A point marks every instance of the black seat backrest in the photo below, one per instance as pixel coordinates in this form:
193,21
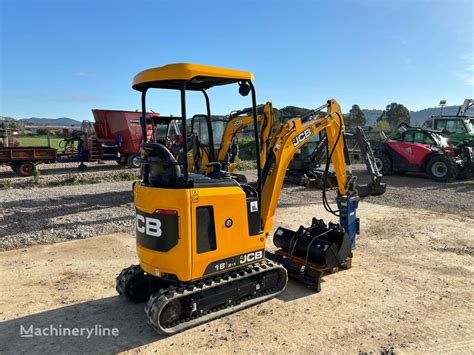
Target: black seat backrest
162,168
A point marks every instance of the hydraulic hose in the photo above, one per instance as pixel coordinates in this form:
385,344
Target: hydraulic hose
326,205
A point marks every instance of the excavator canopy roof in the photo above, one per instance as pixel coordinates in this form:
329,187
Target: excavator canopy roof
197,76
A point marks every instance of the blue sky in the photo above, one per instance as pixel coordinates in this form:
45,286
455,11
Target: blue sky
63,58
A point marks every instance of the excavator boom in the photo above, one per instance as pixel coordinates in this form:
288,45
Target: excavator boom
311,252
467,104
238,120
286,142
375,187
241,119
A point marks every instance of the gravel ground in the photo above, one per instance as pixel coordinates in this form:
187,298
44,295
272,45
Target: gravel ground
406,191
49,215
63,168
55,174
52,214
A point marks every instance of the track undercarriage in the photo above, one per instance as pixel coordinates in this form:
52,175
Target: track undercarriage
305,255
173,307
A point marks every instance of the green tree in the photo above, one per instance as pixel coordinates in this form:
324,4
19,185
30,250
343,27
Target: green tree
396,114
381,125
277,115
356,117
42,132
289,112
293,111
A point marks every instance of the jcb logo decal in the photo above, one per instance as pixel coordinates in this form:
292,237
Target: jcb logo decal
247,258
149,226
302,137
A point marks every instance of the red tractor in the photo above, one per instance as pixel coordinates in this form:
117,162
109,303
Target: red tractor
422,151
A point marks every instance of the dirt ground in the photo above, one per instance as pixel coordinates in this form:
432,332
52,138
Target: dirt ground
410,290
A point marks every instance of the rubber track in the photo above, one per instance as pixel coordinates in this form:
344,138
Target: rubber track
125,276
160,299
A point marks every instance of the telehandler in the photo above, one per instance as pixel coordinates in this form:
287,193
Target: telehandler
201,239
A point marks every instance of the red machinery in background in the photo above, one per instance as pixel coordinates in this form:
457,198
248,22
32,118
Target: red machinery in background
119,133
117,136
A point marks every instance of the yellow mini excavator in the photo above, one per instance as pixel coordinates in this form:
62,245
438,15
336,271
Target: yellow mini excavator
228,127
201,239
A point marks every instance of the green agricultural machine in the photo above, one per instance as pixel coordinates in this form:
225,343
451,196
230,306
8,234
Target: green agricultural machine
459,129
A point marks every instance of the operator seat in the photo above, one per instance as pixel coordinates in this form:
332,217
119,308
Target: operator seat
163,170
161,167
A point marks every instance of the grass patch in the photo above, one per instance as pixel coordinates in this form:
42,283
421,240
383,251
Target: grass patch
80,180
247,148
36,177
38,141
70,180
85,180
245,164
5,184
124,176
246,160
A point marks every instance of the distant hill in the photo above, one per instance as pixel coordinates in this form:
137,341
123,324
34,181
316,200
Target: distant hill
416,117
422,115
62,121
372,115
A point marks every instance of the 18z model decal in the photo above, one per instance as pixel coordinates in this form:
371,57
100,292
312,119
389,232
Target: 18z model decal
234,261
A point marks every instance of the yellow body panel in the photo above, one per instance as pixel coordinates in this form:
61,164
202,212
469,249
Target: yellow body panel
183,260
228,202
149,199
188,71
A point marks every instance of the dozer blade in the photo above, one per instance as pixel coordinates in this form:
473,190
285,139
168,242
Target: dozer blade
371,189
174,309
310,253
296,177
316,180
